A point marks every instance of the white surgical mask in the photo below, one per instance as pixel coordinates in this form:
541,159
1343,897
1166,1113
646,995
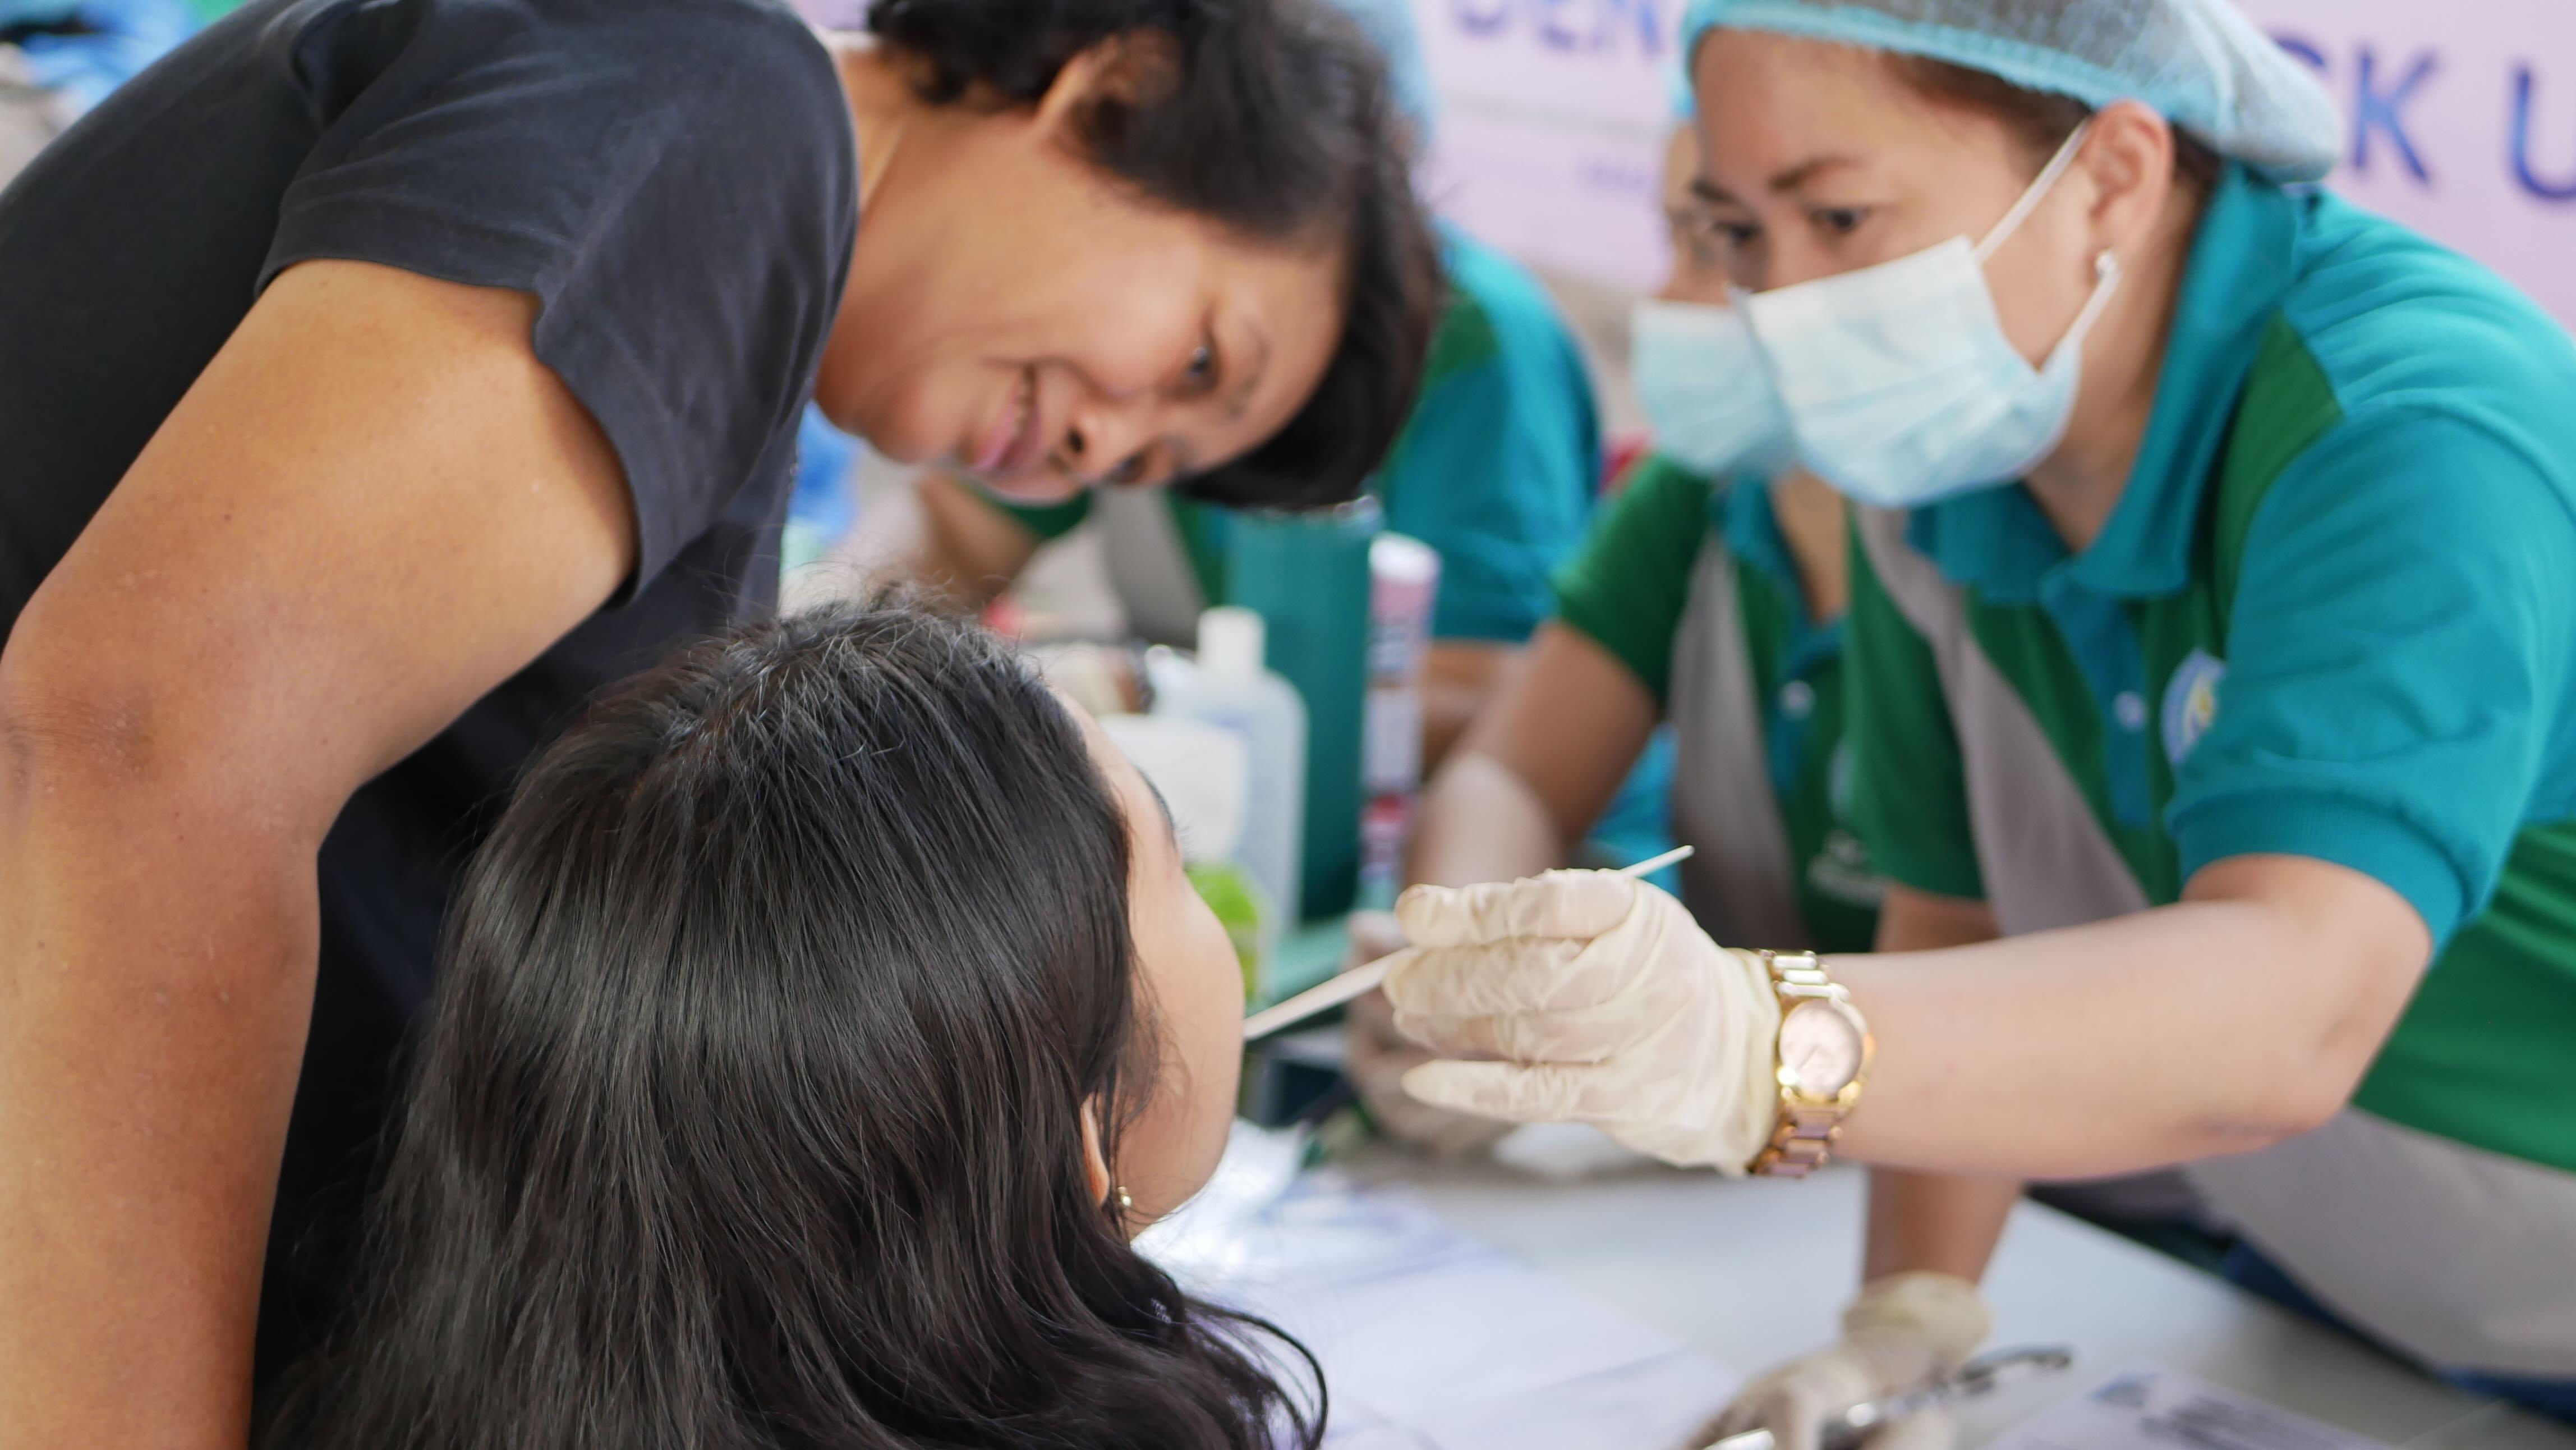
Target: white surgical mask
1898,383
1705,388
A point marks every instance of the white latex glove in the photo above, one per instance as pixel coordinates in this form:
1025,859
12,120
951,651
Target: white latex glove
1903,1331
1602,1002
1379,1056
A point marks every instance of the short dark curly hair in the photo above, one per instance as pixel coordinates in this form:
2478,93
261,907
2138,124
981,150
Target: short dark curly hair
1273,117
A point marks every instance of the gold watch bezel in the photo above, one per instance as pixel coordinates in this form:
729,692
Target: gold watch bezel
1791,1088
1810,1123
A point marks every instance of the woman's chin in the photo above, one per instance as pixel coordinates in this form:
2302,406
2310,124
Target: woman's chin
1035,489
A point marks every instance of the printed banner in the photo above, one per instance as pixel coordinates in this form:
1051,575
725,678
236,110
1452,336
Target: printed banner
1553,115
2461,121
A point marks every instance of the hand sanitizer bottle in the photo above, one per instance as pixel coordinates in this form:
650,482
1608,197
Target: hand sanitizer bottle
1230,687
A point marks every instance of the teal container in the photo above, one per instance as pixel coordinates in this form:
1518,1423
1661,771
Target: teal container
1307,576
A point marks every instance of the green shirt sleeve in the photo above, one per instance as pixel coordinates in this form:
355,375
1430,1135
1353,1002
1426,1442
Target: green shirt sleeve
1049,521
1909,786
2401,656
1626,590
1500,463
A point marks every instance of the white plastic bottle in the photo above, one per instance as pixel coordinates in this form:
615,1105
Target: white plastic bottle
1230,687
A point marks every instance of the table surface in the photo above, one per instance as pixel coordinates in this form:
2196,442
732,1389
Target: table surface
1750,1272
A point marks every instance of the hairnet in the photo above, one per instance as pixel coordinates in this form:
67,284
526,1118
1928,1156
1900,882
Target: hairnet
1390,23
2199,63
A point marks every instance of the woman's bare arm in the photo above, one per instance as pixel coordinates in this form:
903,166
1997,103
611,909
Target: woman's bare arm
374,506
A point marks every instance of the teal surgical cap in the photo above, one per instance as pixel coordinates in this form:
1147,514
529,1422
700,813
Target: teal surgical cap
2198,62
1677,89
1390,23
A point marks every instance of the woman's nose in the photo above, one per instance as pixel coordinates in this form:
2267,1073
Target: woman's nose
1102,439
1784,263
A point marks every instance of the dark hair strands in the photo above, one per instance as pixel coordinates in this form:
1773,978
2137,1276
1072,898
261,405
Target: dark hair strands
1273,117
748,1113
2041,122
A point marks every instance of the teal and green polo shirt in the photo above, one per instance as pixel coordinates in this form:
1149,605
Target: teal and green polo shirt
2333,615
1628,591
1496,469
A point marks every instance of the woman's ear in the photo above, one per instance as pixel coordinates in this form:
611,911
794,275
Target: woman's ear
2129,157
1129,69
1095,1162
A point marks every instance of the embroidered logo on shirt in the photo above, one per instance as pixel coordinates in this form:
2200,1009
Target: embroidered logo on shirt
2191,702
1841,871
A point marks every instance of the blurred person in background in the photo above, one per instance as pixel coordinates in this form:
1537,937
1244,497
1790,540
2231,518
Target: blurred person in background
58,58
1710,597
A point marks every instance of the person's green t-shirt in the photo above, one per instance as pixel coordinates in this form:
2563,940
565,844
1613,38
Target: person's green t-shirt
2330,617
1628,592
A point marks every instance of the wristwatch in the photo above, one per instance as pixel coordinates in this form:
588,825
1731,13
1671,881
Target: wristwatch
1822,1060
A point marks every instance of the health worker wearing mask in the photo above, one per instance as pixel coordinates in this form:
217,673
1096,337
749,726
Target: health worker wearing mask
2212,673
382,378
1496,469
1709,596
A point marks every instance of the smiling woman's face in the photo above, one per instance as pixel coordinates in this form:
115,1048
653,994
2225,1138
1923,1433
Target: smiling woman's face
1016,313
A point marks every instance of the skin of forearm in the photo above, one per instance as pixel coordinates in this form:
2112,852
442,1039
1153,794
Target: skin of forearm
156,974
2214,1026
969,553
1458,677
1939,1222
1562,727
931,567
1936,1222
1482,822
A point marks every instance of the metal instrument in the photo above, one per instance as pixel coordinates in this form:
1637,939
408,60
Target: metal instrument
1977,1378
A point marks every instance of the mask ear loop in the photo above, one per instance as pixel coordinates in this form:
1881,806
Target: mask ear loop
2036,192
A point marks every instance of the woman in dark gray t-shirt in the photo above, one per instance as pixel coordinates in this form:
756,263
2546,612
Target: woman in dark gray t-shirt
379,378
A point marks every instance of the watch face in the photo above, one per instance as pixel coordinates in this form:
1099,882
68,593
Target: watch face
1820,1047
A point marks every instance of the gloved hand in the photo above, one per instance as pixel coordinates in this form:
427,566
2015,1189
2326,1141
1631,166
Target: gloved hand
1903,1331
1379,1056
1604,1003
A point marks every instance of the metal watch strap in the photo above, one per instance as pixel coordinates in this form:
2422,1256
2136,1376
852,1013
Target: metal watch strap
1799,974
1801,1144
1803,1140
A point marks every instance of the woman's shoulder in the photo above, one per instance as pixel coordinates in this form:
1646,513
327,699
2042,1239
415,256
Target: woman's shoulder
1498,310
1675,493
724,64
2390,318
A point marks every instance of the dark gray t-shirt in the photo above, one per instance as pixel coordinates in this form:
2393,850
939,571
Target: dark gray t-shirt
675,180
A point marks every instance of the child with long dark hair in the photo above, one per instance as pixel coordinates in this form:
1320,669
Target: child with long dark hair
815,1028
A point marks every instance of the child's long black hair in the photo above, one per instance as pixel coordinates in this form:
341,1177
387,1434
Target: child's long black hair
748,1114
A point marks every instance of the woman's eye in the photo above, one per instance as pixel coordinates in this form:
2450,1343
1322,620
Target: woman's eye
1841,221
1704,248
1201,372
1128,473
1728,236
1709,231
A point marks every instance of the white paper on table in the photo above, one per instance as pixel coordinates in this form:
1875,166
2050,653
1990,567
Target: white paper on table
1429,1339
1656,1405
2162,1409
